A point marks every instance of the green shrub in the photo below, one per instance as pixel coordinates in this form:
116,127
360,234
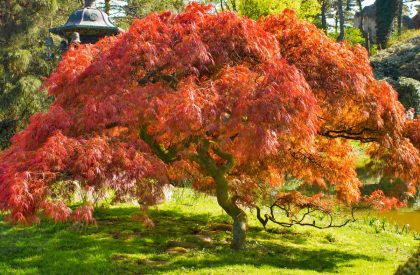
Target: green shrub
352,36
411,267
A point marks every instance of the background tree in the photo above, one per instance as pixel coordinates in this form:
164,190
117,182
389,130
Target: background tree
23,61
234,105
364,33
307,9
124,12
325,6
107,6
386,10
341,19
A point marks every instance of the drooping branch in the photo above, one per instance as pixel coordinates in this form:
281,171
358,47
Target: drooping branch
300,221
360,135
166,155
262,221
304,156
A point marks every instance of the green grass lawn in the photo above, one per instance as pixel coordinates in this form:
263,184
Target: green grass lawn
190,237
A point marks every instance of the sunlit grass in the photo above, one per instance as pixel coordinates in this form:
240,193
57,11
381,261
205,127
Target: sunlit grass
406,34
189,237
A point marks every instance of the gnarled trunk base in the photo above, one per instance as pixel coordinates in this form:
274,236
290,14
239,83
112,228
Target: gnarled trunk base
239,231
228,203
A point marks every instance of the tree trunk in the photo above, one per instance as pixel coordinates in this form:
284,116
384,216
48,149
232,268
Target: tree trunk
336,22
364,34
206,161
386,10
341,17
233,3
229,205
324,16
239,231
107,6
400,14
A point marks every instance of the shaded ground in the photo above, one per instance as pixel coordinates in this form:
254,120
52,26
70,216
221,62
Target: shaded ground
191,237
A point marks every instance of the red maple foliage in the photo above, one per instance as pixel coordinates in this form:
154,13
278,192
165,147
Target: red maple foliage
217,98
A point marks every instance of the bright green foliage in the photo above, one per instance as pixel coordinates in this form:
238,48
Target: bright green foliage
256,8
307,9
24,28
140,8
352,36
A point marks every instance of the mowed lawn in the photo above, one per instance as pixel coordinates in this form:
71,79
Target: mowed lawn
191,237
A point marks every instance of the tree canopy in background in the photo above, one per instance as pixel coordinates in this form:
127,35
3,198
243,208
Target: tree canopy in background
386,11
254,9
23,61
235,105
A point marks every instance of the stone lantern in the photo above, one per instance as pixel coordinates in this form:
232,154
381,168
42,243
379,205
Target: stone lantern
85,25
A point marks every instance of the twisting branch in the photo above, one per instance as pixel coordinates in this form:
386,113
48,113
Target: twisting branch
166,155
309,209
351,134
156,76
303,156
262,221
226,156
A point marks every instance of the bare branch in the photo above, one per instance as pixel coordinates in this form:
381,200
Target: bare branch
299,221
349,133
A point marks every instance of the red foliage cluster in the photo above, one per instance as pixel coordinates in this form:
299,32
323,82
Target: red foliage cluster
412,132
277,96
380,202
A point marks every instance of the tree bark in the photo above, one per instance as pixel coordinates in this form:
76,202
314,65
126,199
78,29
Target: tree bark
324,16
233,3
364,34
336,22
341,17
218,173
386,10
107,6
400,14
229,205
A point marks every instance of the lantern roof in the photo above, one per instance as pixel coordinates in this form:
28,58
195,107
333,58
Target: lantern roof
87,21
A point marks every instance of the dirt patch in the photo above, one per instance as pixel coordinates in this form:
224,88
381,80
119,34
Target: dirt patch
118,257
203,238
182,244
177,250
221,227
150,262
125,235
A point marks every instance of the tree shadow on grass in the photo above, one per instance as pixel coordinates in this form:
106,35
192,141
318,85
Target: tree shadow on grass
120,245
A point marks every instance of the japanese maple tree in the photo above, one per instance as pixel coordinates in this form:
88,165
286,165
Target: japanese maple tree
227,102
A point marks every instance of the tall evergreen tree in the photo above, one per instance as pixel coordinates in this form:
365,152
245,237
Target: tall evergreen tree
140,8
23,29
341,18
386,10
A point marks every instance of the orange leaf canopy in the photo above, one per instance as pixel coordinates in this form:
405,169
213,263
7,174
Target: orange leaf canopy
276,96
